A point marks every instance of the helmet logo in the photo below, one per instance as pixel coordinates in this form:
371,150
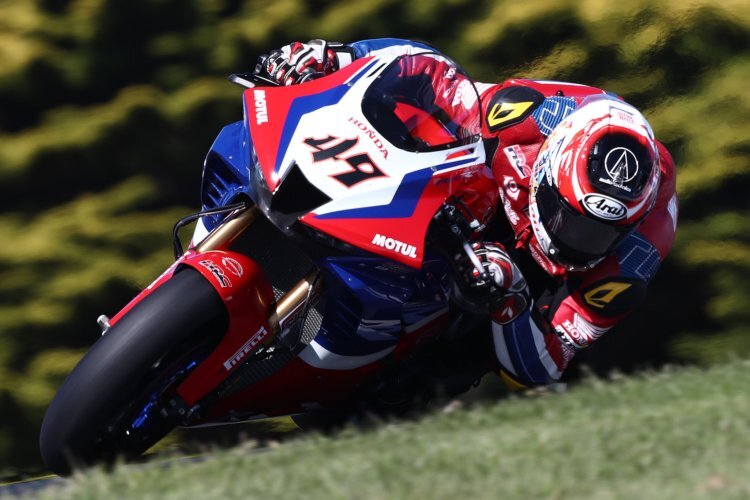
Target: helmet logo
621,166
604,207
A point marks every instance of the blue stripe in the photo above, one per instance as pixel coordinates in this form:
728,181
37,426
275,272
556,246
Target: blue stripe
405,200
366,47
520,342
309,103
353,79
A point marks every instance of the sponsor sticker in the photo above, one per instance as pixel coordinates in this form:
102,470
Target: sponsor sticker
624,116
621,166
218,273
362,167
510,186
518,160
573,335
510,213
602,295
513,304
261,108
604,207
248,346
232,266
367,131
395,245
511,105
580,332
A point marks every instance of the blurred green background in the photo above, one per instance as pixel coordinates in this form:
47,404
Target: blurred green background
107,108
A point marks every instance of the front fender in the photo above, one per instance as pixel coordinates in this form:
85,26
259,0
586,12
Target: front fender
248,297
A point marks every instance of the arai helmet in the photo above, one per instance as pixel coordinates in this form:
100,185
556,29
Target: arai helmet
596,177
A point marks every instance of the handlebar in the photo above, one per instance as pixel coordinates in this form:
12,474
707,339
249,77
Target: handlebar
459,228
251,80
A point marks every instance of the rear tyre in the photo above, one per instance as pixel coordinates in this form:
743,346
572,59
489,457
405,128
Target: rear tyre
90,418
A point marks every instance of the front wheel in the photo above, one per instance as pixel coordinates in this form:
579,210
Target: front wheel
108,405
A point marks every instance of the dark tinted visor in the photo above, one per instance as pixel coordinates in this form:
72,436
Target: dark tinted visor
578,239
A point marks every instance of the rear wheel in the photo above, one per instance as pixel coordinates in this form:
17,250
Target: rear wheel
109,405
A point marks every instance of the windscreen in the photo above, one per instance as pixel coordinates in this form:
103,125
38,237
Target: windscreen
424,102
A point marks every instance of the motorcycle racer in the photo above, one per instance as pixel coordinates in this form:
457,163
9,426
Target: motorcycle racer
589,199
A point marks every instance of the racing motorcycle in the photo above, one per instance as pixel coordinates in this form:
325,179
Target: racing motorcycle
322,266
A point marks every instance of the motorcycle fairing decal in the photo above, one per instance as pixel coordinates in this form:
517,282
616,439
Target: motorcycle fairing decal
217,272
386,214
362,312
362,166
300,385
248,302
246,348
299,107
390,230
370,305
327,356
319,357
379,282
404,201
286,106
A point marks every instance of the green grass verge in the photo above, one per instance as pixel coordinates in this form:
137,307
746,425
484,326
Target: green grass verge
681,433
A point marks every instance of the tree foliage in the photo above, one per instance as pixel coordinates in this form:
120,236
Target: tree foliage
107,108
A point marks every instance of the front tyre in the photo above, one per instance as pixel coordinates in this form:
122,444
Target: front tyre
90,418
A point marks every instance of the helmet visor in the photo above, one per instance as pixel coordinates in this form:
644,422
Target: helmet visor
577,239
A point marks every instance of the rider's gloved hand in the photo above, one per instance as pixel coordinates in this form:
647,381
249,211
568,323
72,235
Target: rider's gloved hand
506,292
297,62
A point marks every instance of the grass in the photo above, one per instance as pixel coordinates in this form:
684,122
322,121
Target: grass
680,433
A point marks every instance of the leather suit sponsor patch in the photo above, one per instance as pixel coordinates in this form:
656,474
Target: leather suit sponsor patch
614,296
511,105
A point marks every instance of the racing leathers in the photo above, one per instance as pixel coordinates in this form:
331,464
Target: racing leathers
568,308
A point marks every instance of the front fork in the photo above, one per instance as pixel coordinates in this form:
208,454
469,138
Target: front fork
306,291
255,318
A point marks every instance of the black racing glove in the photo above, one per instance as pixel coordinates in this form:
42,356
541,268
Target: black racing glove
502,289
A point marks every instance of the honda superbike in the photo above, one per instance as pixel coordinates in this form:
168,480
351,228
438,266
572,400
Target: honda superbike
321,270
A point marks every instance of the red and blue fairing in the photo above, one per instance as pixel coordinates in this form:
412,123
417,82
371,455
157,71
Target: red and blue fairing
364,157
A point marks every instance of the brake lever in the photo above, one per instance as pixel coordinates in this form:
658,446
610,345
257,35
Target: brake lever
483,273
455,229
